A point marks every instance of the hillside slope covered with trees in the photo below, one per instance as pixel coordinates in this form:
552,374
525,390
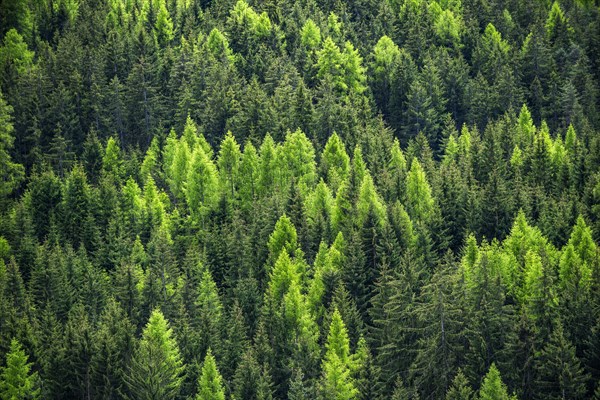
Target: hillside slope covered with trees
372,199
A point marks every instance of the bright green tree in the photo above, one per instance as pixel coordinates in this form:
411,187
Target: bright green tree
419,200
112,164
386,57
310,34
163,27
229,164
202,183
210,386
336,381
335,162
182,165
17,381
12,173
369,202
156,370
284,237
15,59
298,157
492,387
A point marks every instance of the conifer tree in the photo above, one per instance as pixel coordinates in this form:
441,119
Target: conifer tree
76,205
156,369
492,387
78,341
420,203
17,381
112,349
336,380
460,389
335,162
229,164
13,172
284,237
560,375
209,315
201,185
210,386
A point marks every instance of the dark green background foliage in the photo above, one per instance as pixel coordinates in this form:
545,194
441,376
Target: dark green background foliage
372,199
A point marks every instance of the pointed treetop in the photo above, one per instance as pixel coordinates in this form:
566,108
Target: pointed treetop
573,273
310,35
420,202
570,139
210,385
397,158
370,202
283,275
16,379
582,241
460,389
284,237
492,387
337,338
385,55
218,45
335,162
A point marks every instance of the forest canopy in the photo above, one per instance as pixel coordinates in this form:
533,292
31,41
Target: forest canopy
371,199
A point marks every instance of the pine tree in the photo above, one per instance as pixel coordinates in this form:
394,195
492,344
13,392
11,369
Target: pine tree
460,389
78,342
492,387
335,163
336,381
251,381
210,386
161,276
15,305
298,387
441,326
163,26
560,375
17,381
201,185
209,315
112,163
76,205
229,164
365,372
284,237
112,349
420,202
298,154
13,172
386,55
156,369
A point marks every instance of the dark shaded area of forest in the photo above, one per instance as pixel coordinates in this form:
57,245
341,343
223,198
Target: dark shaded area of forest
373,199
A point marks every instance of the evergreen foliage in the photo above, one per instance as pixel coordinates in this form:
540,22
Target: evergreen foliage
383,199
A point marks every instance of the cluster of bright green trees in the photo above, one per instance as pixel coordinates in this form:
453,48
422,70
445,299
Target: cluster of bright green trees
262,273
299,200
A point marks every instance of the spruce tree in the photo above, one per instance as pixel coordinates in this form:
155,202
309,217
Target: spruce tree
156,369
336,380
17,380
559,371
210,386
492,387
